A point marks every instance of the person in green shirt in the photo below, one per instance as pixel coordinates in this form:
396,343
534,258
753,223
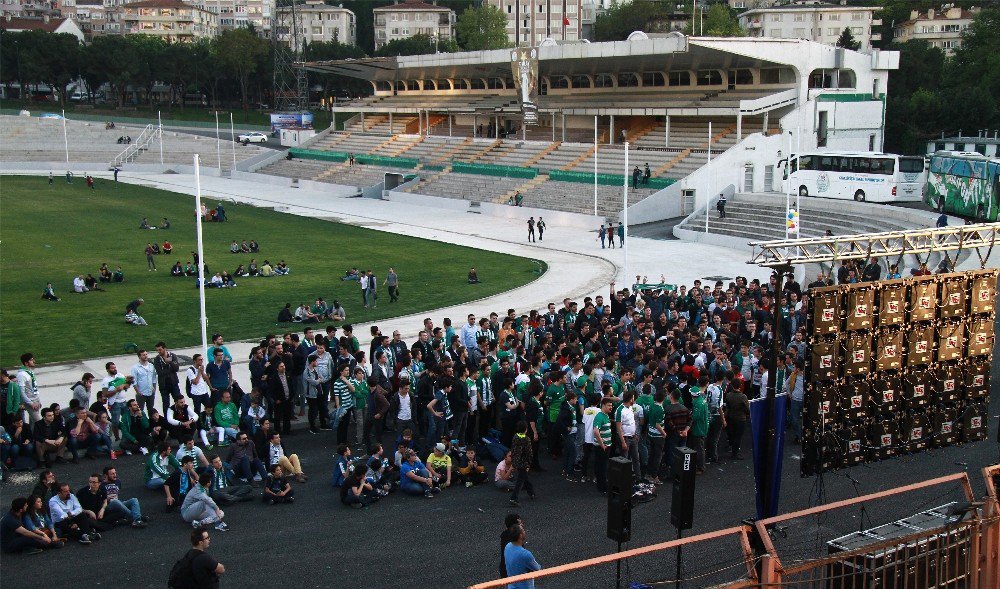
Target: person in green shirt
699,423
657,437
361,393
555,393
343,396
602,444
227,416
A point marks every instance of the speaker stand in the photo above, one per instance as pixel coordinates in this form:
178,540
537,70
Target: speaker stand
677,578
618,569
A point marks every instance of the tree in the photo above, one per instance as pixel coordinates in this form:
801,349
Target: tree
238,52
482,28
720,21
622,19
416,45
847,40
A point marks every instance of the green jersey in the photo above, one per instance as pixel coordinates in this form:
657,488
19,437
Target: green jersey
603,425
554,396
645,401
360,393
654,416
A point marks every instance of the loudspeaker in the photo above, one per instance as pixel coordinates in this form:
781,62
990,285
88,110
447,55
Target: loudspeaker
682,499
620,499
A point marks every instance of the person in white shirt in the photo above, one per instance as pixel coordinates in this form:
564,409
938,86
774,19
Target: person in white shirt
70,518
589,413
196,377
144,375
624,418
116,389
189,449
25,378
79,285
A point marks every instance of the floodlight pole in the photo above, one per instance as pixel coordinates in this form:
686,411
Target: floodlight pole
625,212
65,137
218,146
232,133
159,126
595,165
203,320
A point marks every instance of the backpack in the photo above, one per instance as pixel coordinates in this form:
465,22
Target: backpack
182,573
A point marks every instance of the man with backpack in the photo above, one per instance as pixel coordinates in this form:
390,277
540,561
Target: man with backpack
197,569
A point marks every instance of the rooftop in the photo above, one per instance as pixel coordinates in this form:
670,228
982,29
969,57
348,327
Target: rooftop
412,5
49,25
163,4
811,6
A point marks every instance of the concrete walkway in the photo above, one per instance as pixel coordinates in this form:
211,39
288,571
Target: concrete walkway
577,266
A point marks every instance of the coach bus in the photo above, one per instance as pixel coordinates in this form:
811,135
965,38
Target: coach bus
964,184
863,176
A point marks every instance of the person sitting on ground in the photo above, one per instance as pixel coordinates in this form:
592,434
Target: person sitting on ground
79,285
252,268
243,459
199,509
15,537
156,248
145,224
49,294
188,448
179,483
285,314
167,248
276,488
244,248
342,465
118,275
289,462
439,465
253,413
216,281
503,478
234,248
49,437
209,431
69,517
473,276
132,316
94,499
177,269
190,270
159,428
469,468
130,508
356,490
91,283
46,488
304,315
227,280
281,269
266,270
254,246
222,489
414,479
37,521
165,224
351,274
82,433
159,466
104,273
135,430
336,312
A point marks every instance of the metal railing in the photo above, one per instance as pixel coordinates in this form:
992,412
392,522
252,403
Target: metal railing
139,145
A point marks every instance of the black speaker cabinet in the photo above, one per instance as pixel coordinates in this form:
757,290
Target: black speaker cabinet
919,345
947,383
620,499
860,308
953,295
889,350
943,424
857,359
951,340
854,446
883,435
821,403
983,293
916,389
923,300
892,303
974,420
826,311
682,471
825,359
854,401
916,430
981,336
886,393
976,376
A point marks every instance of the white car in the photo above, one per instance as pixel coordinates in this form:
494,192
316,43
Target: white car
252,137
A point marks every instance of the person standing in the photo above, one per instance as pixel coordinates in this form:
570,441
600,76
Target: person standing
50,178
90,182
506,537
519,559
521,458
150,262
392,283
371,294
167,366
628,430
699,423
25,378
117,169
794,384
363,283
721,205
540,224
621,234
611,236
531,229
145,378
602,439
737,416
600,233
716,414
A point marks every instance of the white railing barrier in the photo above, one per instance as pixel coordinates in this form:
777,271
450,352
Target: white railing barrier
140,144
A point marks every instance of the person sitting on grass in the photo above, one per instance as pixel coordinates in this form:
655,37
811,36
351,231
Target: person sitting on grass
190,270
473,276
351,274
104,273
281,269
304,315
165,224
132,316
266,270
49,294
79,285
118,275
216,281
145,222
240,271
285,314
227,280
156,248
357,491
167,248
244,248
254,246
276,488
252,269
234,248
177,269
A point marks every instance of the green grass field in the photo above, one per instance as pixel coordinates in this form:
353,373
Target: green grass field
53,233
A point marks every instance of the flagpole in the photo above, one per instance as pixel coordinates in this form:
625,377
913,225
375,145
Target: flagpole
65,137
625,211
708,164
232,132
595,165
218,146
159,124
201,253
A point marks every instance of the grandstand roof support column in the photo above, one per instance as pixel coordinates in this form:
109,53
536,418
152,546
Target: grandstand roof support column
553,127
564,127
496,127
766,116
739,127
451,118
611,132
524,130
666,131
362,121
475,123
390,124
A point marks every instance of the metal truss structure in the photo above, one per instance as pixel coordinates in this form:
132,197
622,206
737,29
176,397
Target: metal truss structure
782,253
290,84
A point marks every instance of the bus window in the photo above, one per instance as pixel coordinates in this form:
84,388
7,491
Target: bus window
861,165
911,165
883,166
829,163
805,163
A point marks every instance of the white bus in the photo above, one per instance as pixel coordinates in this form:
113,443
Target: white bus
863,176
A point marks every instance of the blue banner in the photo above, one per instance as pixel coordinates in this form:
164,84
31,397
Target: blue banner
758,412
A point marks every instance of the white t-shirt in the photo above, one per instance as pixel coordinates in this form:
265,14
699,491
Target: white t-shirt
588,424
627,416
404,408
199,388
106,385
274,453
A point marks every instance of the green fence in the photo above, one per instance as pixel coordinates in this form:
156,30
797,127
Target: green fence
315,154
433,168
385,160
492,170
605,179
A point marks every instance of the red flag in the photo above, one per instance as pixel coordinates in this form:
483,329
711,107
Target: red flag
565,21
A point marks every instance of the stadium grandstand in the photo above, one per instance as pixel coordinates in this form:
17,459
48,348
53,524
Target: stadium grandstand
705,115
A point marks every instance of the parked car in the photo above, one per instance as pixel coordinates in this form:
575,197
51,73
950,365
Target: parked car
252,137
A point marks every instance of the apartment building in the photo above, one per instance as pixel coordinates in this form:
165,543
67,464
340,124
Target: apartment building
316,21
940,28
413,17
531,21
813,20
173,20
235,14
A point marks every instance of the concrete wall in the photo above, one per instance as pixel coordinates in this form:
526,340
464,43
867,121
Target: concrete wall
252,164
425,200
552,218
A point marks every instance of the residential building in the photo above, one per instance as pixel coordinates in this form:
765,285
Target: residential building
531,21
413,17
173,20
46,23
93,18
316,21
235,14
982,143
32,8
814,20
942,29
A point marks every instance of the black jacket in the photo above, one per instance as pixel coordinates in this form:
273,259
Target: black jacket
394,404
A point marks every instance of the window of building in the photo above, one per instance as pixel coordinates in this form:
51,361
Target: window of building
603,81
949,44
571,9
653,79
395,31
317,30
510,9
580,82
833,17
981,148
799,33
680,78
951,28
775,18
799,18
857,31
560,82
709,77
478,84
857,16
742,77
627,79
831,32
776,33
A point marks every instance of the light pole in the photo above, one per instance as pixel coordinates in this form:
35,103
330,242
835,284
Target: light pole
201,253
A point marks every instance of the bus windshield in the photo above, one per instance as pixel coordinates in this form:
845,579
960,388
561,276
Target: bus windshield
911,165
